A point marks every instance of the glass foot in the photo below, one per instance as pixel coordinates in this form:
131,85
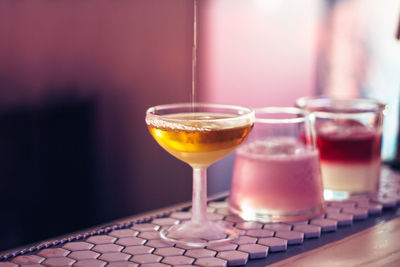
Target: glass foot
195,234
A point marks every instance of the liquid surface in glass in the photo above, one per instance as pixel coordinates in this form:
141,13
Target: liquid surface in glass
199,138
276,178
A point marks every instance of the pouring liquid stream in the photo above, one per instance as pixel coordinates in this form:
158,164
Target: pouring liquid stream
194,54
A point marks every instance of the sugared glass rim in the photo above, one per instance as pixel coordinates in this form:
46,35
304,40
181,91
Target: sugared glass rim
241,112
314,103
304,115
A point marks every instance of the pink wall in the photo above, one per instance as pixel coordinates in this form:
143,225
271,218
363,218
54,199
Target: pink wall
258,53
92,43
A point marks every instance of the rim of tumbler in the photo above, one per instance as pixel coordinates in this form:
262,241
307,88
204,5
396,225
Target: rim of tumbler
242,112
309,102
305,114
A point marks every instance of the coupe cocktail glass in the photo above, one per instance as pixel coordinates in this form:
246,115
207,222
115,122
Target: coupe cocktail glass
349,135
199,134
277,175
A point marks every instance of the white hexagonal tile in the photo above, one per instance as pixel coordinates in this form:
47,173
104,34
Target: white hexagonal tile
200,253
234,258
176,260
255,251
211,262
101,239
274,243
170,251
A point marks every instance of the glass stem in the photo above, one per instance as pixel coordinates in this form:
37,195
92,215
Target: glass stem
199,198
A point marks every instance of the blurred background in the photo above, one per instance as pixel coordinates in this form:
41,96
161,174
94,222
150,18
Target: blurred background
77,76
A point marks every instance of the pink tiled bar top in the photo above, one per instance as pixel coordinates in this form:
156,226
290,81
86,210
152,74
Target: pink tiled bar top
136,243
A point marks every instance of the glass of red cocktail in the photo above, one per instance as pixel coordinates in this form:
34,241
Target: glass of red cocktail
349,135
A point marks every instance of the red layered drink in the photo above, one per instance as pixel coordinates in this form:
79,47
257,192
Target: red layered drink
349,135
350,155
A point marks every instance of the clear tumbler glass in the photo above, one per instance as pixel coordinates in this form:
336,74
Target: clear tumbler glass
277,174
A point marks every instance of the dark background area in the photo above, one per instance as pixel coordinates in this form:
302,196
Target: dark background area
76,78
47,165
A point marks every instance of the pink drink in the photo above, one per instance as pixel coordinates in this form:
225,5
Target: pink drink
277,179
